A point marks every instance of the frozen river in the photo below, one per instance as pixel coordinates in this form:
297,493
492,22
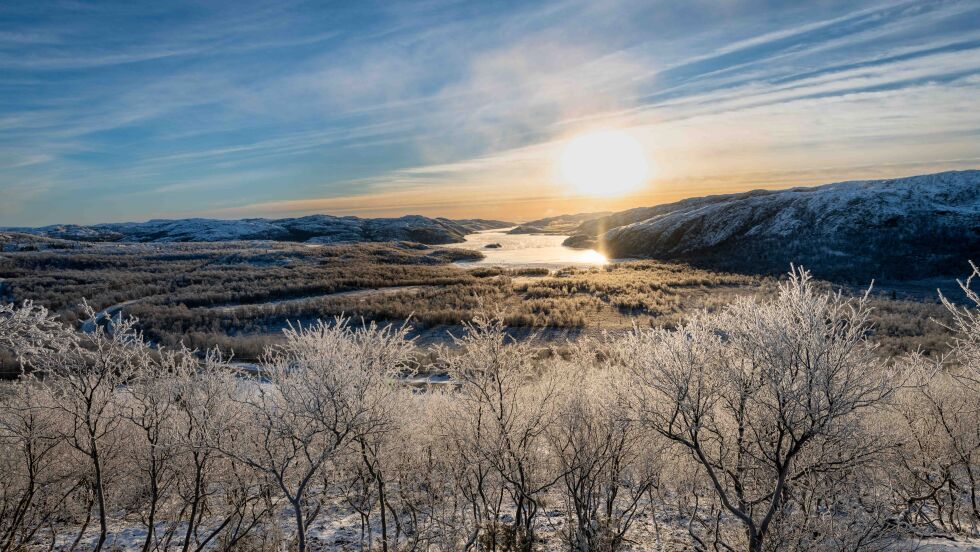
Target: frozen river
527,250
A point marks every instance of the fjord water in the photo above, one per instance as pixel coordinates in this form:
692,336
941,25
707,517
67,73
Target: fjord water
527,250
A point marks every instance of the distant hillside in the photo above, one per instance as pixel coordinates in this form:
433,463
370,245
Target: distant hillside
561,224
904,228
314,229
19,241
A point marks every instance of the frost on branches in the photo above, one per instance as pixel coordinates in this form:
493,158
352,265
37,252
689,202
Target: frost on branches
771,424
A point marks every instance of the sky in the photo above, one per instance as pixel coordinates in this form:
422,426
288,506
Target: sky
114,111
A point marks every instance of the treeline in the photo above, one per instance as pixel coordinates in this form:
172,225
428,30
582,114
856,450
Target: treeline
773,423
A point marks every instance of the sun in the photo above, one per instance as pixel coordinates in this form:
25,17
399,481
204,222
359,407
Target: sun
604,163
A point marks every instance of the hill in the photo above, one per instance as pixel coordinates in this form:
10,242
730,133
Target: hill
561,224
904,228
313,228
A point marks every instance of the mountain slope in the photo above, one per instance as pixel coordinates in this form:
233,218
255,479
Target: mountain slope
903,228
561,224
313,228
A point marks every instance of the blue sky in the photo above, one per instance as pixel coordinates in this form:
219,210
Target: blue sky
135,110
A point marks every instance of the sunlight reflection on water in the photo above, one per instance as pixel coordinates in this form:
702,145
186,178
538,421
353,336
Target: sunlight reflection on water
530,250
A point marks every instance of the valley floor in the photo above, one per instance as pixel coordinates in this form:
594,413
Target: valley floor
239,295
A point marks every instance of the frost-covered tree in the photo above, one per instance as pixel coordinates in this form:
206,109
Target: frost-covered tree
608,462
762,396
936,470
498,422
220,500
28,330
420,469
321,394
446,490
966,328
379,455
85,372
146,404
36,480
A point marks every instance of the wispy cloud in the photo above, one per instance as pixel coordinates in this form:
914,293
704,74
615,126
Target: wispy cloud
458,107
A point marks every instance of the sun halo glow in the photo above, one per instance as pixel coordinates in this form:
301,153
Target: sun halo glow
606,163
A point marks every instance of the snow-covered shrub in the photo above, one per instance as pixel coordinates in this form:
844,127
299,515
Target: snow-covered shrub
37,484
936,468
328,387
608,463
498,421
86,373
762,397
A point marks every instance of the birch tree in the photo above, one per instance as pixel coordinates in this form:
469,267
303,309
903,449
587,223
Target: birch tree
502,413
320,395
608,462
762,395
85,372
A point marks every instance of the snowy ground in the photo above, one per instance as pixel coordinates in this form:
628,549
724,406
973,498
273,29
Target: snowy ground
971,545
339,529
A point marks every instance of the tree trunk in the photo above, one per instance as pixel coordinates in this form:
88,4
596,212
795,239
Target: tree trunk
99,495
300,526
384,518
151,518
195,503
81,531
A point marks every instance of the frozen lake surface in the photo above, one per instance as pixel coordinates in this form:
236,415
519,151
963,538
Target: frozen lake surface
527,250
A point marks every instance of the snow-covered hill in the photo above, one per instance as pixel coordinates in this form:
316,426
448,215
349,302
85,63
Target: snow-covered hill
15,241
902,228
314,228
561,224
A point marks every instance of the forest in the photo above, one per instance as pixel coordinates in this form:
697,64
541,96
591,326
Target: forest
776,421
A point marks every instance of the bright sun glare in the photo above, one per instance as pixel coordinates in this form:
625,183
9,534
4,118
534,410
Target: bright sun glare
604,163
592,256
